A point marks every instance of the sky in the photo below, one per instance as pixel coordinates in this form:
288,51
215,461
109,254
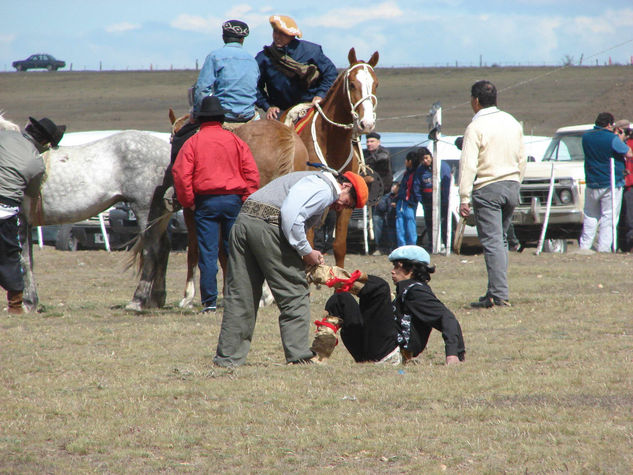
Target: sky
158,34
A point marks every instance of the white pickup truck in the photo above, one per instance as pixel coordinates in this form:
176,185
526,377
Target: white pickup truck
564,161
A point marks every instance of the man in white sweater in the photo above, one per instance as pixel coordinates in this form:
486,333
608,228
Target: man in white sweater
491,169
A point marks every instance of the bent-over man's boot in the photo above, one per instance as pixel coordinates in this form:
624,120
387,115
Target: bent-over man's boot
15,302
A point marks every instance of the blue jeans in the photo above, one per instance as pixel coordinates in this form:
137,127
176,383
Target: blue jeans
493,206
406,230
378,222
214,213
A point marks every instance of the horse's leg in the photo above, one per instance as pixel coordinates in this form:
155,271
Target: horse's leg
156,245
30,299
340,242
192,259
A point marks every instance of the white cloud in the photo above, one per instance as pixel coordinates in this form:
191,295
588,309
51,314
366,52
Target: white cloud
349,17
196,23
122,27
238,11
7,39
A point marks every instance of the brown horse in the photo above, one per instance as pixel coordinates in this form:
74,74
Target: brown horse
347,111
331,130
277,150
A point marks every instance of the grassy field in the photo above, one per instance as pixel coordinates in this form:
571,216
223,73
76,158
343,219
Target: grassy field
544,99
546,386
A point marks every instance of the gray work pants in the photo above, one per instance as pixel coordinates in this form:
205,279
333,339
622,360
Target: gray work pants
258,251
493,206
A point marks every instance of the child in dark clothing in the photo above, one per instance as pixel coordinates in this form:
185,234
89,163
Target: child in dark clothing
376,329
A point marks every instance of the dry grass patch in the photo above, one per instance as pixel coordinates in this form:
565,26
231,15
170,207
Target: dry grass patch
546,386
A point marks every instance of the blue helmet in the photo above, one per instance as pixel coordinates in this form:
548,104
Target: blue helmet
410,253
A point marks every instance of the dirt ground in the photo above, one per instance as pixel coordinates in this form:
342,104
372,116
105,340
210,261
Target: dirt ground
543,98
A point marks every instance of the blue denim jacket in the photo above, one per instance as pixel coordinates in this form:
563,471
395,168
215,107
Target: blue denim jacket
230,74
277,89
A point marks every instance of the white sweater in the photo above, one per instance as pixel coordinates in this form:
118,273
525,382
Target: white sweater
492,151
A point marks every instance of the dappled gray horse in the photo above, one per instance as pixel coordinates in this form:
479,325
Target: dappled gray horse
84,180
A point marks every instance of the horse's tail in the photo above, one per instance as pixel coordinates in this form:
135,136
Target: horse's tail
136,259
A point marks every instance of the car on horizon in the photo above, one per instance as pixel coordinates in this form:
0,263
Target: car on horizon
39,61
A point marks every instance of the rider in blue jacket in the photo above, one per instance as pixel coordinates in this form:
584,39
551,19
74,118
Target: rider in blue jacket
230,73
291,70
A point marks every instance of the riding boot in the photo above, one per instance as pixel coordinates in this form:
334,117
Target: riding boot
338,278
15,302
325,340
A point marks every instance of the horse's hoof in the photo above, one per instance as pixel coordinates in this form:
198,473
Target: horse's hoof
134,306
186,303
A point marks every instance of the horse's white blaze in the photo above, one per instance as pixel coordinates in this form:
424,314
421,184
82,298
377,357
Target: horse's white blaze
367,117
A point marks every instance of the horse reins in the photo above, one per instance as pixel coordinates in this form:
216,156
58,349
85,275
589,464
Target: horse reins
355,117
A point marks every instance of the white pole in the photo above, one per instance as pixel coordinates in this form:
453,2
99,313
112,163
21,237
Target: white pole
40,237
449,218
104,232
614,242
436,237
365,242
550,194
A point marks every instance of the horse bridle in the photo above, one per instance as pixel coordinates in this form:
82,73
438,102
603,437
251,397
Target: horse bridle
355,117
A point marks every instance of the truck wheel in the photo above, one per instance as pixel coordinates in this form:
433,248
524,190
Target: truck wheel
49,67
19,68
558,246
66,241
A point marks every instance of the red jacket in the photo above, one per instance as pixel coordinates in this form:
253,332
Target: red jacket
628,178
214,162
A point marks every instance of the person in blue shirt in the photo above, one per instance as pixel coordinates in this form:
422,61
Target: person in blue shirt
600,145
426,186
230,74
407,201
292,71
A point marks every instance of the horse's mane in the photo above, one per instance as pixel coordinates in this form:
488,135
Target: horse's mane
338,80
7,124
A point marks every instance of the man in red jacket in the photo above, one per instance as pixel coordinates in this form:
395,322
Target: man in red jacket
214,173
627,197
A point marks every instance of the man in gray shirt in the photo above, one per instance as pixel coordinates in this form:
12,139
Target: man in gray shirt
21,172
268,242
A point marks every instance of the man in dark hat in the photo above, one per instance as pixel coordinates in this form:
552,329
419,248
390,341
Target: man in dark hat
21,172
230,74
378,159
214,173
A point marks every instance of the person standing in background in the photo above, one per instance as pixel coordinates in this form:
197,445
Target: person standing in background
426,184
214,173
491,169
627,196
21,173
407,201
601,145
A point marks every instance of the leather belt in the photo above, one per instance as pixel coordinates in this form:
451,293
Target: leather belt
266,212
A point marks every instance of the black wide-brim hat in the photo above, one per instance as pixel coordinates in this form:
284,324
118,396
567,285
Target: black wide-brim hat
211,107
48,128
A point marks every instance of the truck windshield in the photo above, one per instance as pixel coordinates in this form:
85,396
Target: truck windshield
566,147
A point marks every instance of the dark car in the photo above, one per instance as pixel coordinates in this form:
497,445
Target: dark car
123,223
39,61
